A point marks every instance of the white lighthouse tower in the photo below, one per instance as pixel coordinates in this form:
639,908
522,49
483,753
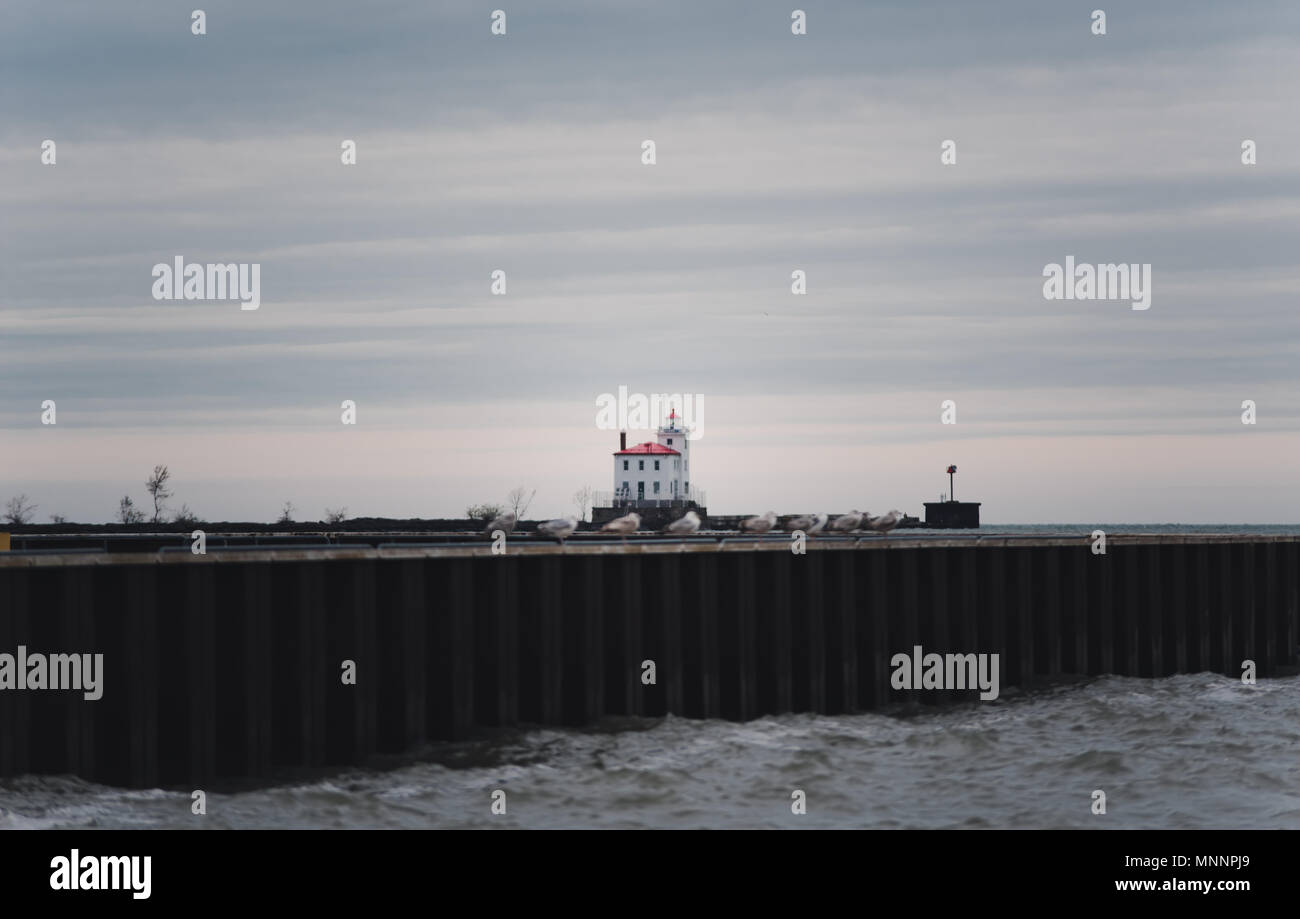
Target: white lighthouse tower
673,435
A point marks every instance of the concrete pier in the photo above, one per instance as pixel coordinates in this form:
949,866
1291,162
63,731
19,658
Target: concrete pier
231,666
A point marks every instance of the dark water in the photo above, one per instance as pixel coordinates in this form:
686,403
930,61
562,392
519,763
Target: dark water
1187,751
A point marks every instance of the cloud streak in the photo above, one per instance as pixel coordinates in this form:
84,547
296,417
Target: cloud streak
522,153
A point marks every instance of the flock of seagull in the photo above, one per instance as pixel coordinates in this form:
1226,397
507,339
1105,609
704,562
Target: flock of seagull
689,524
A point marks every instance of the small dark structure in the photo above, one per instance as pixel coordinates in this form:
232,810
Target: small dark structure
952,515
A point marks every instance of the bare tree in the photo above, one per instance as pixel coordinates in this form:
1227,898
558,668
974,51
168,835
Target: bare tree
126,511
583,498
286,515
484,512
185,516
157,485
519,499
18,511
58,518
336,515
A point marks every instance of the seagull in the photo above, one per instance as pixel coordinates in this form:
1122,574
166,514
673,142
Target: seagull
809,523
798,523
504,521
886,522
759,524
847,523
560,529
686,526
628,523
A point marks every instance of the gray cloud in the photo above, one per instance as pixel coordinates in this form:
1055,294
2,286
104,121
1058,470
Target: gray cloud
522,153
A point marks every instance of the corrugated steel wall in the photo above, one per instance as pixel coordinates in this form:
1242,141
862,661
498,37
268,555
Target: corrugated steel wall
230,666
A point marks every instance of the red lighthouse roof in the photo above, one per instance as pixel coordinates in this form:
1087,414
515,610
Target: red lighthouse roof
648,447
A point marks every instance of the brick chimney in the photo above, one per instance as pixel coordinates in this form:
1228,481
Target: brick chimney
622,440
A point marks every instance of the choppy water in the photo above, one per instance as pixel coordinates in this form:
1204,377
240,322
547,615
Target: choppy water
1187,751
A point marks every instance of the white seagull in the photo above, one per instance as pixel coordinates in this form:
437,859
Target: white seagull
504,521
847,523
759,524
561,528
628,523
685,526
809,523
886,522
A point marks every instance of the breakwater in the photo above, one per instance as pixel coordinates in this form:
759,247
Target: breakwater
239,664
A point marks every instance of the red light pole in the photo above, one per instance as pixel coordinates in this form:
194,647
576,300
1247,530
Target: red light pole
952,471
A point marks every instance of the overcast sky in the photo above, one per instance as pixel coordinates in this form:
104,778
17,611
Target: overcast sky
775,152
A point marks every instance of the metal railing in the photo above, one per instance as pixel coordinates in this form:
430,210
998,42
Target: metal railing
694,496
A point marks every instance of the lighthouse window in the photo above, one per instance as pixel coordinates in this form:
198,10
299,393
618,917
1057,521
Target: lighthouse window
640,464
625,465
656,465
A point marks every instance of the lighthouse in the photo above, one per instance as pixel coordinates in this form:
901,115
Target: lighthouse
654,475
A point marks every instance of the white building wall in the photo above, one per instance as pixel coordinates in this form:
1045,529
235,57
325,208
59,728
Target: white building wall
669,471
